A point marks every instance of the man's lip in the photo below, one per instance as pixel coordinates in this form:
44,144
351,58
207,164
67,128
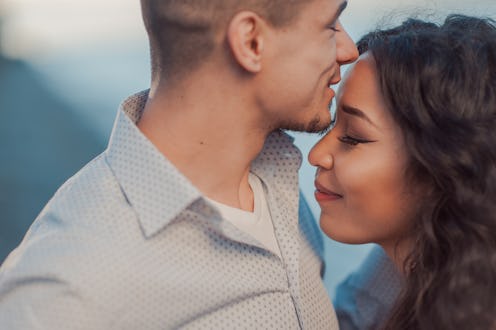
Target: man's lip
336,78
332,93
321,189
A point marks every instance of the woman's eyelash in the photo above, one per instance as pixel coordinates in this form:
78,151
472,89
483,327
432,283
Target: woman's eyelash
351,140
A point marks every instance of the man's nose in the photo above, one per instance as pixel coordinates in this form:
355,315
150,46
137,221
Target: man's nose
346,50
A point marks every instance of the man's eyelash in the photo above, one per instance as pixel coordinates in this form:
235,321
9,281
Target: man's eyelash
332,26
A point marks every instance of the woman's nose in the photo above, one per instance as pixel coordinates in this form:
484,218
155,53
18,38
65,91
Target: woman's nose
320,155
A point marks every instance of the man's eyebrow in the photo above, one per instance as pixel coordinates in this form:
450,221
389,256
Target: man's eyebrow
356,112
340,10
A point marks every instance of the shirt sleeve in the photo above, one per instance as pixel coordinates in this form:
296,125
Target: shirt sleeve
38,289
43,302
36,292
364,300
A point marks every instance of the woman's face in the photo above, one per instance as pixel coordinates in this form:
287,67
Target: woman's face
361,163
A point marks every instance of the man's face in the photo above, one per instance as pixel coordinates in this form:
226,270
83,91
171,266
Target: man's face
301,61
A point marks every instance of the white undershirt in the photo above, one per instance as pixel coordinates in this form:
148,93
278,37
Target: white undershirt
258,223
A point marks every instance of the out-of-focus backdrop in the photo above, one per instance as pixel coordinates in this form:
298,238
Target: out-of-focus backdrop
66,65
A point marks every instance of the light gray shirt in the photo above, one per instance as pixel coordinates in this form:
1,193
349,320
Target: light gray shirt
130,243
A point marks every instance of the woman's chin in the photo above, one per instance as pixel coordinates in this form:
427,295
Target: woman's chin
343,235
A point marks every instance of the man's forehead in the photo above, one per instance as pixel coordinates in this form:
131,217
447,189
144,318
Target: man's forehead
332,9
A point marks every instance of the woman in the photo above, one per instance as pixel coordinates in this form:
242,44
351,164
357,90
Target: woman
410,164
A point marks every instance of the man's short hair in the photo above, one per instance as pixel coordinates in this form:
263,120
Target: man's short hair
182,32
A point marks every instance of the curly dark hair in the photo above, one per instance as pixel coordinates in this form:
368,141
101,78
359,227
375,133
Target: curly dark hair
439,83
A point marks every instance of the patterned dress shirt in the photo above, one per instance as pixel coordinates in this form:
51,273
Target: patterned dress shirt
130,243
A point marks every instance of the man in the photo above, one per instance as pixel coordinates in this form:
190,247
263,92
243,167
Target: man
189,219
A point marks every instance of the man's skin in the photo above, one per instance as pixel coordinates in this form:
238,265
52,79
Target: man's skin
212,123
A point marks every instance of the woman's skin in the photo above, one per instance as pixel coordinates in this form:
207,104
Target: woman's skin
361,183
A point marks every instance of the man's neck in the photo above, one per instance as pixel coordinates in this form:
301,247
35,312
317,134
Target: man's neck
210,134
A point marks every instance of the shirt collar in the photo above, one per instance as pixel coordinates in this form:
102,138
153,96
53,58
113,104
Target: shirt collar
278,156
154,187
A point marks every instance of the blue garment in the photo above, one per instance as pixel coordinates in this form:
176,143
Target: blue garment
364,300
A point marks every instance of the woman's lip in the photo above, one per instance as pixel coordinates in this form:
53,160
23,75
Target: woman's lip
323,197
323,194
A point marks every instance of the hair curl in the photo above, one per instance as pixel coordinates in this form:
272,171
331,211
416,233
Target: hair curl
439,82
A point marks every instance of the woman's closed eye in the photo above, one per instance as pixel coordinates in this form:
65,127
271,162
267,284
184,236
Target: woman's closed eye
352,141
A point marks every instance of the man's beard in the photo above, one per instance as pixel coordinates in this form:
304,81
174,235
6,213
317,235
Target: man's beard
316,125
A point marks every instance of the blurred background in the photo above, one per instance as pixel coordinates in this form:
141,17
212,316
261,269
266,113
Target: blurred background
66,65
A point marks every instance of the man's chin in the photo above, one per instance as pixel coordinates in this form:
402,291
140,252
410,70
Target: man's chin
316,125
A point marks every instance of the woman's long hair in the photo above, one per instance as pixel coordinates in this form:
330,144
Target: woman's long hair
439,83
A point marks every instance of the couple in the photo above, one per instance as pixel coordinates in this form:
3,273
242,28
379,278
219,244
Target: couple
192,217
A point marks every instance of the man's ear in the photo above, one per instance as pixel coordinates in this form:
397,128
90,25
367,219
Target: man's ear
246,40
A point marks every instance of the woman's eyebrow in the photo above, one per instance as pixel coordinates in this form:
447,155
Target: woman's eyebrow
356,112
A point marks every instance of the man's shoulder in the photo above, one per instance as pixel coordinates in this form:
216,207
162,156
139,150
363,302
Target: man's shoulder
76,232
83,210
90,189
